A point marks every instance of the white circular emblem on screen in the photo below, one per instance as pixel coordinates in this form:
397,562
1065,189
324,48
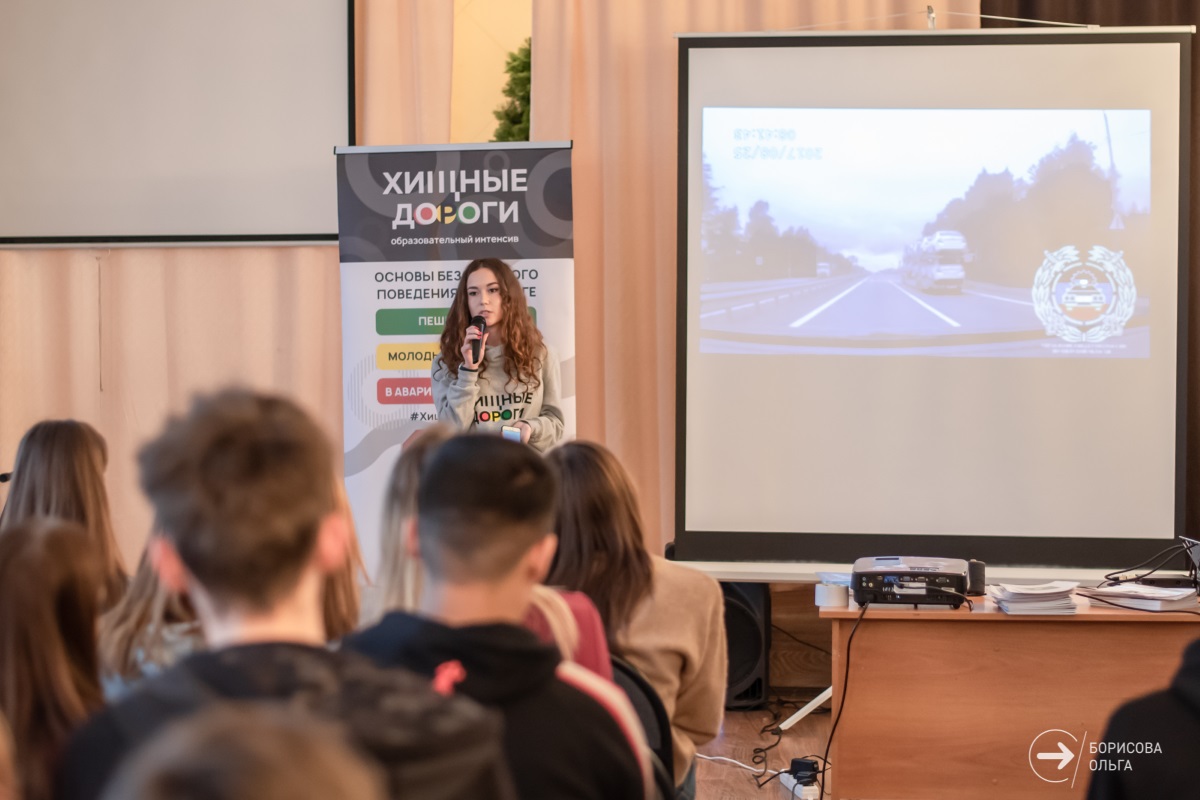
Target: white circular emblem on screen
1084,301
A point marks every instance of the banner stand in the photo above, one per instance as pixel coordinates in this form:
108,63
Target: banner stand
409,220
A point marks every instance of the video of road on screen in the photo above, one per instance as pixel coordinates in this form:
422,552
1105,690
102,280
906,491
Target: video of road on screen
939,232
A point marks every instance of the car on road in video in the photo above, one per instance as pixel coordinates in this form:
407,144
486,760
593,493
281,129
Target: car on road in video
937,264
947,240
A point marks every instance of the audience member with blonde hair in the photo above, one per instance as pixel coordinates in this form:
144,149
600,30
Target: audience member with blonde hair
567,620
248,752
148,631
49,594
399,582
59,472
665,619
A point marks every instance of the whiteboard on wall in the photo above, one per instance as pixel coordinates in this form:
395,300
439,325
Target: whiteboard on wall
144,121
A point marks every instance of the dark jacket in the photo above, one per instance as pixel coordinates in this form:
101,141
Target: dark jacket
1165,726
429,746
567,733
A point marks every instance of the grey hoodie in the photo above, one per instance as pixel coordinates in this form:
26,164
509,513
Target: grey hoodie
488,400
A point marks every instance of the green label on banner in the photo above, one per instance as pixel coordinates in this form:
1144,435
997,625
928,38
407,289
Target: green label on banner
416,321
410,321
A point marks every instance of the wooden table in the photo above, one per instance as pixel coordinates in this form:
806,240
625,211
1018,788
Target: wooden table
948,703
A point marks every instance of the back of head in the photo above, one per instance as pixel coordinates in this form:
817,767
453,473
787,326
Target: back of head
240,486
49,602
482,503
601,550
247,753
59,472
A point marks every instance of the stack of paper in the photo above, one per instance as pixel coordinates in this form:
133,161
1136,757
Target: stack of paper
1042,598
1143,598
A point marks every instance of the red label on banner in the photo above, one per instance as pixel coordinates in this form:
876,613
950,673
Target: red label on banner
405,391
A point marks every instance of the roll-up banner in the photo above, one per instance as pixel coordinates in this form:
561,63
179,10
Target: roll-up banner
409,220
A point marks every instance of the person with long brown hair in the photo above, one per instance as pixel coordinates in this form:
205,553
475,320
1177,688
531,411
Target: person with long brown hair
59,472
10,788
665,619
341,596
514,383
49,670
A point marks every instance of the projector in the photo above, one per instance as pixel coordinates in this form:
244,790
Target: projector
909,580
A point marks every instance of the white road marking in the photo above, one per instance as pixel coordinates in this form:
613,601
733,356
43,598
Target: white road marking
928,307
777,286
825,305
712,313
768,300
745,305
998,297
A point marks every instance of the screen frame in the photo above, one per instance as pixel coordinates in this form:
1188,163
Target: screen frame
817,547
217,239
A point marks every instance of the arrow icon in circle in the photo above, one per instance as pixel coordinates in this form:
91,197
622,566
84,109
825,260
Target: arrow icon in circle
1063,756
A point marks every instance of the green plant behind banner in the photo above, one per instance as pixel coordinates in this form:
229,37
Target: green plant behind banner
514,114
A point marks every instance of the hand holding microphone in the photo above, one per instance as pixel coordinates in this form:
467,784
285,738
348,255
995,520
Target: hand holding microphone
473,342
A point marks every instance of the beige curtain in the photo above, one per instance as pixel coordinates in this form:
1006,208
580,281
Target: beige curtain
121,337
405,55
605,75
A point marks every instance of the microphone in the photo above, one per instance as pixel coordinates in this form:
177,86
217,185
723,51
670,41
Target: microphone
481,323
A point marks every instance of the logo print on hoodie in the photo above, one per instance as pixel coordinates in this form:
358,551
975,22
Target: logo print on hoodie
502,407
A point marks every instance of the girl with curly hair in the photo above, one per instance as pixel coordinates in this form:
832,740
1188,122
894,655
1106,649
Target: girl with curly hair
515,381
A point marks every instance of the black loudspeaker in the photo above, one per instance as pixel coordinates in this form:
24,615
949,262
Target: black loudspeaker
748,636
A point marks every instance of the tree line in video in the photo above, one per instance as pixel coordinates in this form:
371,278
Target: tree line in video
1066,199
1008,221
758,249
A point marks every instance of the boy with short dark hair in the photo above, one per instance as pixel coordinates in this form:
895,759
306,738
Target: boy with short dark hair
242,493
483,533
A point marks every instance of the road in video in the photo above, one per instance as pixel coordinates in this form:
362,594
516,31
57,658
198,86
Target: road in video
956,232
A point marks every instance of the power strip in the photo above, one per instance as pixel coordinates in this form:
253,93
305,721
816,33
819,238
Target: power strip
793,789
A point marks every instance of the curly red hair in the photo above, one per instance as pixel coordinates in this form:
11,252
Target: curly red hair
524,347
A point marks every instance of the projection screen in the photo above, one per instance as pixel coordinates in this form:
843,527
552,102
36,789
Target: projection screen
931,295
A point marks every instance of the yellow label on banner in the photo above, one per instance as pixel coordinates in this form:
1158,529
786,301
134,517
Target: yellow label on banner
406,356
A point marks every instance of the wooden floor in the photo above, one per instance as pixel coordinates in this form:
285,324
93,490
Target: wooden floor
741,734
